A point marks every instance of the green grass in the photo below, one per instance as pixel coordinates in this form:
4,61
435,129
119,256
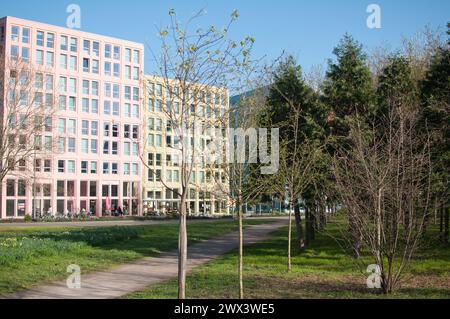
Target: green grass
31,256
324,270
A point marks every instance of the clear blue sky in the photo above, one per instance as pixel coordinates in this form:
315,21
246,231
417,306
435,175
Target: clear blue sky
307,29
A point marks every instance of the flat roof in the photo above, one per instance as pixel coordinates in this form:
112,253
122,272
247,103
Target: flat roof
68,30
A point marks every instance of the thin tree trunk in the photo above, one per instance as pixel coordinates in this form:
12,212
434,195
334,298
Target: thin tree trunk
441,223
307,225
241,255
446,224
298,225
290,237
182,250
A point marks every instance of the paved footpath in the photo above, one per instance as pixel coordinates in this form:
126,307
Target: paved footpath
138,275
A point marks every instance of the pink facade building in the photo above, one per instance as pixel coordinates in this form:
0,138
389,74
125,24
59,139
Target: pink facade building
97,83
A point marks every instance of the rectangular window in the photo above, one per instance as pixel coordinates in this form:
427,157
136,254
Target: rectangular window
126,148
73,85
114,148
50,40
84,146
106,147
73,63
50,59
72,126
71,167
14,33
85,127
72,103
61,166
116,91
71,145
116,70
63,61
94,106
94,146
107,90
73,44
107,68
25,35
40,38
63,45
108,51
126,169
85,65
96,48
136,56
94,128
114,168
117,52
127,55
40,57
95,66
94,85
84,170
105,168
107,107
15,52
85,105
85,87
86,47
115,110
25,54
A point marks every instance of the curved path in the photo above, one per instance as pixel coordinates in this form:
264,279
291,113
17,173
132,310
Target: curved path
138,275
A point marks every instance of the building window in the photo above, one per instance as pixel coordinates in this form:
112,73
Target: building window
87,47
61,165
85,65
107,51
73,44
114,168
94,106
50,59
47,166
107,68
71,167
105,168
94,146
84,168
40,38
40,57
63,45
96,48
25,35
93,167
95,67
84,146
71,145
50,40
85,127
136,56
116,70
63,61
15,33
73,63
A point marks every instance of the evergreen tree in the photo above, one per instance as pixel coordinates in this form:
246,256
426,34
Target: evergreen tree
348,88
435,100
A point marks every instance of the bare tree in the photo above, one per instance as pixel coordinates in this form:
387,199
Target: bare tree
384,182
191,64
237,170
27,116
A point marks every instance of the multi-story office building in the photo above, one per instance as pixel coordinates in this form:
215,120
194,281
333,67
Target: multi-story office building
97,126
162,176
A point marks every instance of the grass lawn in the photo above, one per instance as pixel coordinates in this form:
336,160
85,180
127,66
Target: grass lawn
31,256
323,271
